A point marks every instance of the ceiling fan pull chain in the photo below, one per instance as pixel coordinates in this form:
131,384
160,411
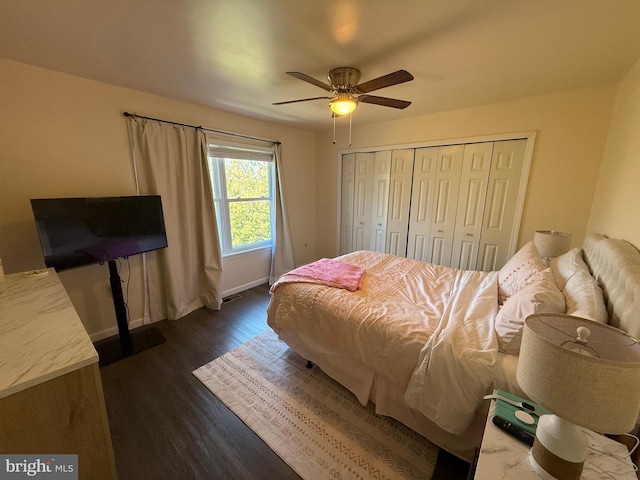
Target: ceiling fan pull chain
334,129
350,129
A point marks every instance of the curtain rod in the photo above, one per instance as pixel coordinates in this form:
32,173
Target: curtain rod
275,142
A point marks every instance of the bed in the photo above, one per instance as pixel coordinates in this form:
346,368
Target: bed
425,342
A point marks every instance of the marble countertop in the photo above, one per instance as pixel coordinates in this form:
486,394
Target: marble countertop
503,457
41,335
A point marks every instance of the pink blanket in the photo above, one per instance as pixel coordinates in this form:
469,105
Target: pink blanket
325,271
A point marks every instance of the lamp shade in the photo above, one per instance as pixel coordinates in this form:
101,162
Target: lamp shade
590,378
551,243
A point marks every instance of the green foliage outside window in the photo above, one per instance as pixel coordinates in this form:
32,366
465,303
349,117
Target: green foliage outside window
246,179
250,222
247,185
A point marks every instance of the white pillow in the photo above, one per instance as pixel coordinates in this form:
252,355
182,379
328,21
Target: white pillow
566,265
585,298
518,271
540,296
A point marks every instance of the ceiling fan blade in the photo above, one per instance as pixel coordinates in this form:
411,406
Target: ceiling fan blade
394,78
306,78
301,100
384,101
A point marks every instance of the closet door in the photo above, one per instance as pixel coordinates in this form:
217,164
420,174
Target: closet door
452,205
399,201
422,194
346,203
476,164
381,174
445,203
362,201
498,231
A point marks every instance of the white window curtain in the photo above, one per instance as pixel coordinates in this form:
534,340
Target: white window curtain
282,250
171,161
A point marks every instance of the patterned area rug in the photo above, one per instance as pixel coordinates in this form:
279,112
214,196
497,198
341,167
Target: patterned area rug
314,424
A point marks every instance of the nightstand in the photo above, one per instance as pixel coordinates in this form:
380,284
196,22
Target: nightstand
504,457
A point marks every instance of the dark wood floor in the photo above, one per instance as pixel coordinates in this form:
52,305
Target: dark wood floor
166,425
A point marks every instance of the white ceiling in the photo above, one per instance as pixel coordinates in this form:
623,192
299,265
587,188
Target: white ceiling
233,54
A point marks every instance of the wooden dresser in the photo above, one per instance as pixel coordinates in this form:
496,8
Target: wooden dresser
51,399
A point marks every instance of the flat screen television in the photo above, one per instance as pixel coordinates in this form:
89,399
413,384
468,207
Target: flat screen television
82,231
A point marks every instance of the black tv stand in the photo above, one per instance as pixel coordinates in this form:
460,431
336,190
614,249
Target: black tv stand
127,342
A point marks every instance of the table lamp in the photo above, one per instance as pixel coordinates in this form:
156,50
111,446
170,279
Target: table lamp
588,375
551,243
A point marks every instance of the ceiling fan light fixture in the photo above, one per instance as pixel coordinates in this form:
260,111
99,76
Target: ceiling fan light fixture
343,104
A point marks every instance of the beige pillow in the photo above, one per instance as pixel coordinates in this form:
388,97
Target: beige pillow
518,271
566,265
585,298
540,296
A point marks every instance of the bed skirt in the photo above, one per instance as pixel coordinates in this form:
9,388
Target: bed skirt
388,399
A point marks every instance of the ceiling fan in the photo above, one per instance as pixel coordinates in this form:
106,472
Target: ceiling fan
346,92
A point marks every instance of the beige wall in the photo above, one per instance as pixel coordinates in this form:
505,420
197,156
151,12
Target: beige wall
571,131
617,198
62,135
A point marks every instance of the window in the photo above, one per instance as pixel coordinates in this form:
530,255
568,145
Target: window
242,177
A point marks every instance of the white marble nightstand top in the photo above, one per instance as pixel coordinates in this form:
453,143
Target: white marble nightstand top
503,457
41,335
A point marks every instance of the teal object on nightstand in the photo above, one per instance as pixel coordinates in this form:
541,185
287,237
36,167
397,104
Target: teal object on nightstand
508,412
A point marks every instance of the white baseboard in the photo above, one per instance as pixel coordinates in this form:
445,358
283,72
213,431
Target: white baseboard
244,287
139,322
110,332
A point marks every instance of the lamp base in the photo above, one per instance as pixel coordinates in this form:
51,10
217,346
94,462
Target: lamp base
551,467
559,450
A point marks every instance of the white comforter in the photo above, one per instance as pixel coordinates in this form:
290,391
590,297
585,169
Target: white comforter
426,328
456,365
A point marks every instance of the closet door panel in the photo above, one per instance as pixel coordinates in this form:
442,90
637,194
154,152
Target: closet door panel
500,211
399,201
346,203
422,194
419,249
382,170
474,177
438,251
465,255
362,201
447,186
488,258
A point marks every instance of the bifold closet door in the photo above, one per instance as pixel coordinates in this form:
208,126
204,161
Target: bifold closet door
399,201
362,200
432,239
476,165
422,195
500,214
380,200
452,205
